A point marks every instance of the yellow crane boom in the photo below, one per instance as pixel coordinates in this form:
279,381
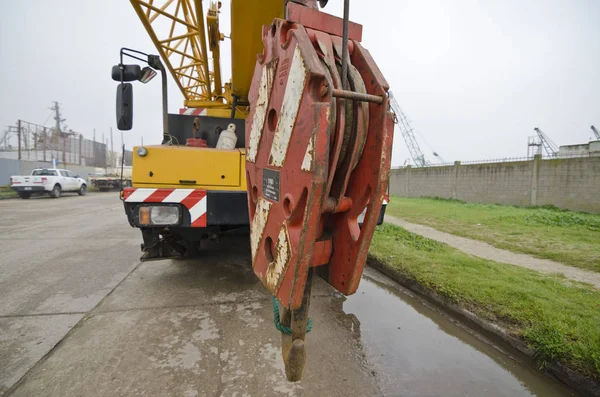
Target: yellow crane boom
177,29
247,19
179,32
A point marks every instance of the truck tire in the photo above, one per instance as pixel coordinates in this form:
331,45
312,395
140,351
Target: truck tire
82,190
56,190
24,195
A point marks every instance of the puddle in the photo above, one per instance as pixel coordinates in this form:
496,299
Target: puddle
417,352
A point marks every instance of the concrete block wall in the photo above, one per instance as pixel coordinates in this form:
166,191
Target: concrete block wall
571,183
8,167
499,183
416,182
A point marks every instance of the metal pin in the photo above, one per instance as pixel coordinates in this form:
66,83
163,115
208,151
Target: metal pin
356,96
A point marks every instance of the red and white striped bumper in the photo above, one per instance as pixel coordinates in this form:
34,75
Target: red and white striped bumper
193,111
192,199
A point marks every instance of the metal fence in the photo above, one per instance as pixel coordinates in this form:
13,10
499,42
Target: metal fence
29,141
504,160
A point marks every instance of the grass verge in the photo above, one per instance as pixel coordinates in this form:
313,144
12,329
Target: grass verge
568,237
7,192
559,319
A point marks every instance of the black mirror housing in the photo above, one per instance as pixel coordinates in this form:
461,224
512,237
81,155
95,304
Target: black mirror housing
130,72
125,106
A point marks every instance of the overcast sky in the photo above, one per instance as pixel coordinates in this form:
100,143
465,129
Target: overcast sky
475,77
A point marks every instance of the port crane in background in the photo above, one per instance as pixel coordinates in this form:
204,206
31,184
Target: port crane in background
541,144
408,134
596,133
297,146
436,154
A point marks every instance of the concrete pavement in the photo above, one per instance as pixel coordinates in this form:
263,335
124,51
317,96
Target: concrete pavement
79,315
58,258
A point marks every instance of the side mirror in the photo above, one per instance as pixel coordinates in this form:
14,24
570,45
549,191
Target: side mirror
130,72
147,74
124,106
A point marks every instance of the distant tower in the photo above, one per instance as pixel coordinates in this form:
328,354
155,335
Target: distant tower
534,146
543,143
58,120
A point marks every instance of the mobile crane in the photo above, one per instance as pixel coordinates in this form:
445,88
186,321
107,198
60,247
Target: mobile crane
297,146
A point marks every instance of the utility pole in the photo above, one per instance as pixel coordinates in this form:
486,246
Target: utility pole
106,157
44,142
94,148
19,135
112,152
58,120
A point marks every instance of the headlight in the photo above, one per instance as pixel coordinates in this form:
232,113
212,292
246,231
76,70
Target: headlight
142,151
159,215
162,215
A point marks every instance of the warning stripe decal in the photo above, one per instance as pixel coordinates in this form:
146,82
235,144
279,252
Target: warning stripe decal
260,110
192,199
193,111
297,77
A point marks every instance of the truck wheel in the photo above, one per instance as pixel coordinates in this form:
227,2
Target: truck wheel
82,190
24,195
55,193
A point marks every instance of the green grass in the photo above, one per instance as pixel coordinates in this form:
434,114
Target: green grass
557,318
7,192
571,238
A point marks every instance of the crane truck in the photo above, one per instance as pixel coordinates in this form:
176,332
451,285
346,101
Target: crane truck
296,147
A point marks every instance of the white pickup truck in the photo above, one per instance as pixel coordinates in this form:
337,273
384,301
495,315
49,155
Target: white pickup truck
48,180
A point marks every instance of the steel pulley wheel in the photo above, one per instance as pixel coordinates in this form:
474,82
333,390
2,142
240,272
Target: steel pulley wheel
357,116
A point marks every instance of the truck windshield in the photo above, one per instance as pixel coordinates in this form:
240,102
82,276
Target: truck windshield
43,173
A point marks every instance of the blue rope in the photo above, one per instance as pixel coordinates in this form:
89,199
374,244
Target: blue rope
282,328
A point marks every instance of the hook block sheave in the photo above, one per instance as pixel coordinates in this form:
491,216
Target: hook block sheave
314,162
